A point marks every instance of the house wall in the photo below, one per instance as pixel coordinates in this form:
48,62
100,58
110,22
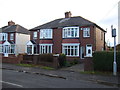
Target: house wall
21,40
57,40
88,40
99,41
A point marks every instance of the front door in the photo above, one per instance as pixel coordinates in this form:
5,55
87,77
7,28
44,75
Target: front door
6,50
89,50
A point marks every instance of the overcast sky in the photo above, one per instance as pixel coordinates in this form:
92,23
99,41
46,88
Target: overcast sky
31,13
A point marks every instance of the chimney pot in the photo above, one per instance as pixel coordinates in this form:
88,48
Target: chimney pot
68,14
10,23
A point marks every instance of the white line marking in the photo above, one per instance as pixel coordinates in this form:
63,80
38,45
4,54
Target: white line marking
12,83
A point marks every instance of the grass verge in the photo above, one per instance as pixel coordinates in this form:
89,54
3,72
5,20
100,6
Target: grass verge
32,65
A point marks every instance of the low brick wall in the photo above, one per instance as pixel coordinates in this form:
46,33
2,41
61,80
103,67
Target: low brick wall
35,59
74,58
88,64
12,59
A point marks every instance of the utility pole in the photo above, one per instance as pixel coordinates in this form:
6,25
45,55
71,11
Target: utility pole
114,63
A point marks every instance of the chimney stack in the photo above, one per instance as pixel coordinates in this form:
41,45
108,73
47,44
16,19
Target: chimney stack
68,14
10,23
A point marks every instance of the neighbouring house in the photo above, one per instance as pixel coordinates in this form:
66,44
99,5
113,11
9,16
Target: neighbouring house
76,37
13,38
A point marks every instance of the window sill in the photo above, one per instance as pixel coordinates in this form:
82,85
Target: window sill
71,38
45,38
72,56
88,56
86,37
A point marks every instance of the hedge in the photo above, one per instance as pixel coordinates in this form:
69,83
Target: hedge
62,59
103,61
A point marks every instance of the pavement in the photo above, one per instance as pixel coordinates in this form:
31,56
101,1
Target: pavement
71,73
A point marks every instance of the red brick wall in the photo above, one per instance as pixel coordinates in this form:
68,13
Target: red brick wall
57,40
12,59
88,40
45,41
88,64
99,42
71,40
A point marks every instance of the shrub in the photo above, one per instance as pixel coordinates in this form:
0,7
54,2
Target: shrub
62,60
103,61
46,57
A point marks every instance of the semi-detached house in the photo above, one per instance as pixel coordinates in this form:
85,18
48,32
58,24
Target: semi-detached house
73,36
13,38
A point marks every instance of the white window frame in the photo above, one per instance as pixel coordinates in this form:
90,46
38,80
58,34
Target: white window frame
7,49
12,48
3,36
71,45
44,50
86,32
11,36
67,32
86,50
28,46
1,48
46,33
35,35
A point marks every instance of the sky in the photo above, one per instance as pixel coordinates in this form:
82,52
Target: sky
32,13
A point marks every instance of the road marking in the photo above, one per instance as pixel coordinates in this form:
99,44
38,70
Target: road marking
12,83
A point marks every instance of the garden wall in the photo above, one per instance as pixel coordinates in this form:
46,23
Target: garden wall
12,59
46,60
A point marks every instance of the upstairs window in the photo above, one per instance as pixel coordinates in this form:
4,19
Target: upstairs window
70,32
45,33
86,32
12,36
34,35
3,36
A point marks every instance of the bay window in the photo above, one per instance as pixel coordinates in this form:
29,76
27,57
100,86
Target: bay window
70,32
70,49
29,49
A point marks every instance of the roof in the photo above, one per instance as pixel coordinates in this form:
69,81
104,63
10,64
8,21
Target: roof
33,41
64,22
15,28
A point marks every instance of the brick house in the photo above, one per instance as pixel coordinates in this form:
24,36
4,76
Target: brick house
13,38
73,36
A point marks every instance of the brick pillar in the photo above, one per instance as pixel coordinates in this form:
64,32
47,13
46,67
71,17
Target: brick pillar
20,58
55,62
88,64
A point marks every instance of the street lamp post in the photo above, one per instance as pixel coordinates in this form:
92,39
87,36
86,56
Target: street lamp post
114,63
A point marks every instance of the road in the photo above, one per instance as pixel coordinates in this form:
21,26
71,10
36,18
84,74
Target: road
14,79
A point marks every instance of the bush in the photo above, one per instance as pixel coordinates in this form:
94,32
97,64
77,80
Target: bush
62,60
46,57
103,61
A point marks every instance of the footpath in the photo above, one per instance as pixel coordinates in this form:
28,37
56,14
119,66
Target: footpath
66,74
